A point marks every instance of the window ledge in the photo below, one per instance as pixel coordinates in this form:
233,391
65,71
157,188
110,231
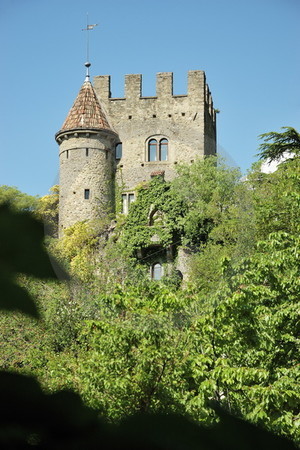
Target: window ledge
156,162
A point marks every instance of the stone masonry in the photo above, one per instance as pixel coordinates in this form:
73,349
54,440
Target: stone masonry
186,121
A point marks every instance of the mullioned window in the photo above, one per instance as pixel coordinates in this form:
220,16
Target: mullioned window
157,150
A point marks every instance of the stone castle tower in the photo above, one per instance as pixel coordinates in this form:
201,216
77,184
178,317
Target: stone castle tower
106,141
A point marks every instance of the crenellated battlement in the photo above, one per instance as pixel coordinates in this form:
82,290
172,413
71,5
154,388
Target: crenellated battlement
197,87
134,105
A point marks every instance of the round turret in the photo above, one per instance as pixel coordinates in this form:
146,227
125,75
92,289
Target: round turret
86,151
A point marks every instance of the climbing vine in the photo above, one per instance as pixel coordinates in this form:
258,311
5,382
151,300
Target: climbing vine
155,218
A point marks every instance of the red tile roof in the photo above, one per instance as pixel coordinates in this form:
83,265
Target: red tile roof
86,112
157,173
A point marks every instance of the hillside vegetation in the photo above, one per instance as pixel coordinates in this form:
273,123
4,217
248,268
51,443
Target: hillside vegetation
126,344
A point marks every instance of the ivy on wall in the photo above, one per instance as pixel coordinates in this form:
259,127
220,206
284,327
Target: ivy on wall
155,218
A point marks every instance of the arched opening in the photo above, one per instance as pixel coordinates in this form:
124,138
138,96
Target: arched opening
152,150
157,150
156,271
163,150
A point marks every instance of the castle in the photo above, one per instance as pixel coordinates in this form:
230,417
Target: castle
107,142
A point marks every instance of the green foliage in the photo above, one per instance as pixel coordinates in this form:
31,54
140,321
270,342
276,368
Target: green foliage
77,247
21,255
286,142
20,335
127,345
17,199
277,199
207,191
207,271
218,223
154,218
152,354
262,317
47,210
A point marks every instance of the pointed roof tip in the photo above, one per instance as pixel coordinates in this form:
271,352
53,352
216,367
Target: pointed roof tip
86,112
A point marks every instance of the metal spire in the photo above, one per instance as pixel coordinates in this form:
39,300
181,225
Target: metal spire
87,65
87,29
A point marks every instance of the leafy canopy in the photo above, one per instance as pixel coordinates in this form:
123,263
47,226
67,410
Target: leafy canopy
284,143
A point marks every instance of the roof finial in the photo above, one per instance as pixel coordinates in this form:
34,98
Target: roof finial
87,77
87,29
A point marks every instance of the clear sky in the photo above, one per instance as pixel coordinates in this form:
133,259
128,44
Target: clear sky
249,50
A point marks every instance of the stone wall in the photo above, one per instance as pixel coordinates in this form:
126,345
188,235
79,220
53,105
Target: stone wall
187,121
86,163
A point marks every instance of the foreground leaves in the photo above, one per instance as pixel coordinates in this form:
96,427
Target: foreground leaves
22,251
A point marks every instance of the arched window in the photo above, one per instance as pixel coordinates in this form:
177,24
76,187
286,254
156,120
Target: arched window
156,218
163,150
157,150
152,150
156,271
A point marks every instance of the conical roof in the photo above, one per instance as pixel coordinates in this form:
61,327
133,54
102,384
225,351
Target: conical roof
86,112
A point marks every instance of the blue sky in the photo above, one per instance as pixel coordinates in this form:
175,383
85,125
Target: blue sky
248,49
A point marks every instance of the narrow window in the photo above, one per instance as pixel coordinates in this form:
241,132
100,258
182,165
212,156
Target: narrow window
156,271
130,199
124,203
163,150
86,152
152,148
119,150
86,194
67,154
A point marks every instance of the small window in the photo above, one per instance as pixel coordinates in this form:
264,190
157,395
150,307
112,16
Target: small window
86,152
124,204
156,271
130,199
86,194
127,199
67,154
119,150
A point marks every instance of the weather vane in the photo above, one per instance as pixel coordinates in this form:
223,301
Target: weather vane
87,29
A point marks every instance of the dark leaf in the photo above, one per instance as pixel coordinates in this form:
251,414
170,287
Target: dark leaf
15,298
21,245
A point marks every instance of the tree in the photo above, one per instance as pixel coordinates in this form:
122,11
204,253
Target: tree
260,328
47,210
276,199
217,221
286,142
17,199
207,192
